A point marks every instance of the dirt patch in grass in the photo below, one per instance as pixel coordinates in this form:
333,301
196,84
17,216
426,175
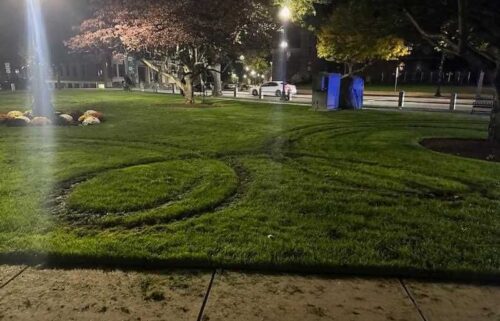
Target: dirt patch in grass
472,148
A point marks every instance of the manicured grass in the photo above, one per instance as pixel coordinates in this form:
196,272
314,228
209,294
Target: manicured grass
248,185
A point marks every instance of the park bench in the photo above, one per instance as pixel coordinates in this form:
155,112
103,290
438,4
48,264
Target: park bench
483,104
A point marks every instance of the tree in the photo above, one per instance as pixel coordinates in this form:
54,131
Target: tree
180,39
260,64
356,35
463,28
303,10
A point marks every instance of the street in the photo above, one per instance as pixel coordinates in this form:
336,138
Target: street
371,99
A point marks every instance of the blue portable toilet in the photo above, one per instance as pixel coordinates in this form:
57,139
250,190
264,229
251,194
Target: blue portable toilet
352,92
326,91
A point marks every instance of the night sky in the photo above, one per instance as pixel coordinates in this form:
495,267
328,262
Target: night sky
60,16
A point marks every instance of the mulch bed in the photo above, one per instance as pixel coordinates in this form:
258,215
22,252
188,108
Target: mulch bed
472,148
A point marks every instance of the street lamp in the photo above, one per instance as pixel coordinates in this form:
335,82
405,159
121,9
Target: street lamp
285,15
399,69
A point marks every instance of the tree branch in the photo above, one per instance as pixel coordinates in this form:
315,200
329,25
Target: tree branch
462,38
433,39
166,74
366,65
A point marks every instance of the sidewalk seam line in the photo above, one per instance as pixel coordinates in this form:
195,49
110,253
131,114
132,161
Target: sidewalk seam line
207,294
14,277
412,299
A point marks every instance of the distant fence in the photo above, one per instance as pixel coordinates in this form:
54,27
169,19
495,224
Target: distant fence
456,78
70,84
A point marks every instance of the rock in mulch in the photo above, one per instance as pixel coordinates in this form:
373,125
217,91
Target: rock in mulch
41,121
64,120
91,121
20,121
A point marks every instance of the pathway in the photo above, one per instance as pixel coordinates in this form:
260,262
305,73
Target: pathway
28,293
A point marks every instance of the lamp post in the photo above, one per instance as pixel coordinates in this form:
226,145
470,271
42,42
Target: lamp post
285,15
399,69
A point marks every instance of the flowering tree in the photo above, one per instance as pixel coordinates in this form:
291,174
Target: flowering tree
180,39
357,36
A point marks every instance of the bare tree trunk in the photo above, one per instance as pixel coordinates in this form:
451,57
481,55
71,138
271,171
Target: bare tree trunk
188,90
186,85
494,128
350,68
216,75
440,75
106,66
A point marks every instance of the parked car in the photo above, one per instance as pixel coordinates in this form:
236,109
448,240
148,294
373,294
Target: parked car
273,88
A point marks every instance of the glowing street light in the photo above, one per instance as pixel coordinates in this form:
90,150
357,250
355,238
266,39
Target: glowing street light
285,14
253,73
242,58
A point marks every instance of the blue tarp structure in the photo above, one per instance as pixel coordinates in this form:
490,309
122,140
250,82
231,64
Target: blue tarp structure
326,91
352,92
331,92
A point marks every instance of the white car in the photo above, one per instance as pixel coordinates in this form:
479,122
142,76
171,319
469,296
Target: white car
273,88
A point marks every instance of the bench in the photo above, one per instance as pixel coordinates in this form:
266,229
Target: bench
483,104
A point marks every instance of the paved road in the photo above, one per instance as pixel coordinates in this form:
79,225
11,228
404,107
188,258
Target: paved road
387,100
380,100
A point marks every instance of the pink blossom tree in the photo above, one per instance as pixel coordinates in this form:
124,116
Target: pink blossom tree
180,39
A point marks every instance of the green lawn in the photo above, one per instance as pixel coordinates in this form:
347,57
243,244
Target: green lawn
247,185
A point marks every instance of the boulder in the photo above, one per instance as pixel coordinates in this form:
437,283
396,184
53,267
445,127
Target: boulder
14,114
91,121
20,121
64,120
41,121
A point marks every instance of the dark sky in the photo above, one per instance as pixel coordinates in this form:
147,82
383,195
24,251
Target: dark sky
60,16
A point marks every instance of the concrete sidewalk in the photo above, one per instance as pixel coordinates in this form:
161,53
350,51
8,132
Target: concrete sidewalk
49,294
